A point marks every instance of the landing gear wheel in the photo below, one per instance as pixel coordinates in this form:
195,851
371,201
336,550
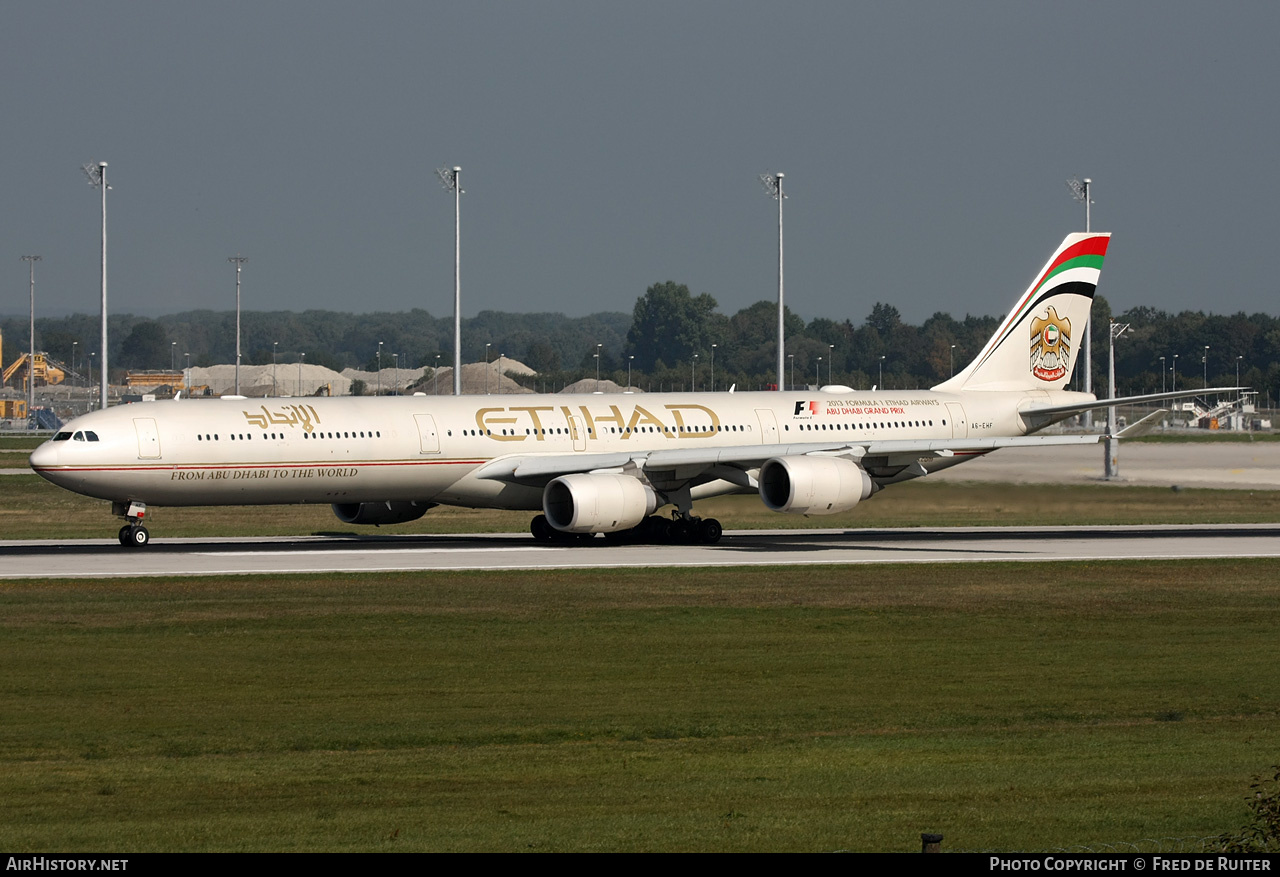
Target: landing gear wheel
656,529
134,536
542,529
683,530
709,531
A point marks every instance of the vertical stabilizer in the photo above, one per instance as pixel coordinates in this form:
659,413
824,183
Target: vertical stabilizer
1036,345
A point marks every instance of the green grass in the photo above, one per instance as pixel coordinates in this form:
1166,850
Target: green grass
1206,436
31,508
780,709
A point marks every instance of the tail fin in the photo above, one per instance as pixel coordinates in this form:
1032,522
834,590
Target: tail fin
1035,346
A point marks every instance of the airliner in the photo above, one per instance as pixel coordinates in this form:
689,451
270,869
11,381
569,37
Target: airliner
595,464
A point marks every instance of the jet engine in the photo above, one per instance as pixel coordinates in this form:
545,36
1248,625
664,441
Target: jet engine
380,512
597,503
813,485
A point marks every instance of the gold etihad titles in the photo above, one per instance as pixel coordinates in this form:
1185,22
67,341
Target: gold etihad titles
517,423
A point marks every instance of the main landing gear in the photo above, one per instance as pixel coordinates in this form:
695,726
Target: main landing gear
132,534
678,529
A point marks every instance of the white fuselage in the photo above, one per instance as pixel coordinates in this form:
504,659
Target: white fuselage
194,452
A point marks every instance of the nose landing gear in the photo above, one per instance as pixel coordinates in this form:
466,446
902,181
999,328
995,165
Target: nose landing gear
132,534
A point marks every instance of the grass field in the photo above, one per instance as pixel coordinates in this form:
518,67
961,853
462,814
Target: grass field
1201,436
785,709
778,709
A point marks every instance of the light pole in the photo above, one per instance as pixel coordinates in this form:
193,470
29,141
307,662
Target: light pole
792,357
435,378
1111,462
1164,375
693,374
830,359
500,356
1206,366
395,385
239,263
186,375
486,367
1174,369
1080,191
300,362
173,356
275,346
76,344
379,368
632,357
97,174
713,368
773,185
31,356
953,360
452,180
880,385
92,354
817,373
1238,358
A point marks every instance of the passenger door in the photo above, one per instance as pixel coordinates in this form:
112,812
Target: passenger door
148,438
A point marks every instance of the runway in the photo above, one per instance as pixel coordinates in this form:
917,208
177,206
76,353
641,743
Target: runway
1221,465
310,555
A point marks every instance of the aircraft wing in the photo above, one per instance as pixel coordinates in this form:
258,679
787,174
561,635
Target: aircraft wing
732,463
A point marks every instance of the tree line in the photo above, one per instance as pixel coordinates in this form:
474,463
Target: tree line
673,339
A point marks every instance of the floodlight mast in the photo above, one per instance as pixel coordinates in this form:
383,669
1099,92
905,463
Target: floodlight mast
239,261
97,174
1111,463
31,356
452,180
773,185
1080,191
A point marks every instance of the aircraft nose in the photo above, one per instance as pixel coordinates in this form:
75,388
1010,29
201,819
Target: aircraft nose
45,455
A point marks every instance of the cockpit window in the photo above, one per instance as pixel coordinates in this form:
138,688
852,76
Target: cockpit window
91,435
79,436
61,437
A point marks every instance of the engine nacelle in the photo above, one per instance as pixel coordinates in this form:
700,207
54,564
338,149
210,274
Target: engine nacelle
380,512
813,485
597,503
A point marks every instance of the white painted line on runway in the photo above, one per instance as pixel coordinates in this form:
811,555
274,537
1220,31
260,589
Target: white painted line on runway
585,565
379,551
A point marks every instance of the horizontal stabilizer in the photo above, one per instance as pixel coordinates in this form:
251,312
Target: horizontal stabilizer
1145,426
1037,418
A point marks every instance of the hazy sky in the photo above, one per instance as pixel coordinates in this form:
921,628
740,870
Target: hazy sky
608,146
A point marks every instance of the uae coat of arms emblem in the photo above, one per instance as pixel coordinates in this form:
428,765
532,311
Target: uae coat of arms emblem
1050,346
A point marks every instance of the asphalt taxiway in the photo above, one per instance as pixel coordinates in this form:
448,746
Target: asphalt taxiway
311,555
1230,465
